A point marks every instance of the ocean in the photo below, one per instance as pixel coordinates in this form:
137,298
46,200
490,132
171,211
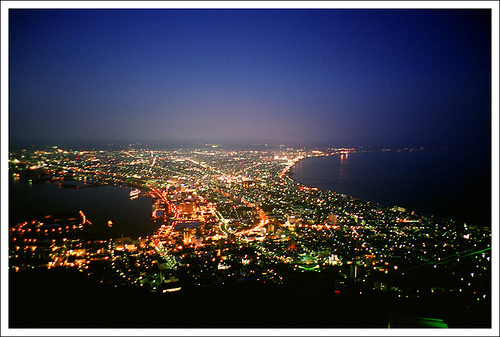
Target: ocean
449,183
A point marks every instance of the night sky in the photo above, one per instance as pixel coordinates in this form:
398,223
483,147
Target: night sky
296,77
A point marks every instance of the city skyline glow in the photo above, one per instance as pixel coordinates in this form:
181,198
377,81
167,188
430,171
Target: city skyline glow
329,77
146,96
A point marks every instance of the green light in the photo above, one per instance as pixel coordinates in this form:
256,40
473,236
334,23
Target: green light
399,321
315,268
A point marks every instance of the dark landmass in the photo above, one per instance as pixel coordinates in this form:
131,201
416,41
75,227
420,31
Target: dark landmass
65,298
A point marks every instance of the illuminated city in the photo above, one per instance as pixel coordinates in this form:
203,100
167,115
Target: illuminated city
229,217
276,167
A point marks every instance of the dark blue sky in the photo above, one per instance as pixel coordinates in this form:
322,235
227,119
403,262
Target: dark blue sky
295,77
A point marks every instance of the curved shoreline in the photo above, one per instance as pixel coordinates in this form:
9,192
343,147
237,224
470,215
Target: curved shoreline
290,172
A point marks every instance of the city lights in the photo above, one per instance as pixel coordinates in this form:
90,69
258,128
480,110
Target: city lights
237,218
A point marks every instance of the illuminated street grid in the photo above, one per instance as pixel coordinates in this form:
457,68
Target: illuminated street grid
236,217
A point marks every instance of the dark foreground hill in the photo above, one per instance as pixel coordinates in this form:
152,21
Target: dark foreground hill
68,299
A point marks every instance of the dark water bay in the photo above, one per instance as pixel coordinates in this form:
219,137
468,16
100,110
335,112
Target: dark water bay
99,204
449,183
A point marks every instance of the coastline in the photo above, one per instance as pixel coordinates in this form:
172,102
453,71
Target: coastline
441,199
290,172
101,204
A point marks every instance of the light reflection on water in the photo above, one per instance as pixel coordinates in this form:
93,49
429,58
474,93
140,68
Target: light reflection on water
435,182
99,204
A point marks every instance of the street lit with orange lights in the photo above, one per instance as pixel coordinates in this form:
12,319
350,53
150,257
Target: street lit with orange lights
230,217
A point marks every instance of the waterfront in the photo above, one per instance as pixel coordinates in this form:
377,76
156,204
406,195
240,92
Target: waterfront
207,112
235,223
99,204
434,182
441,182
